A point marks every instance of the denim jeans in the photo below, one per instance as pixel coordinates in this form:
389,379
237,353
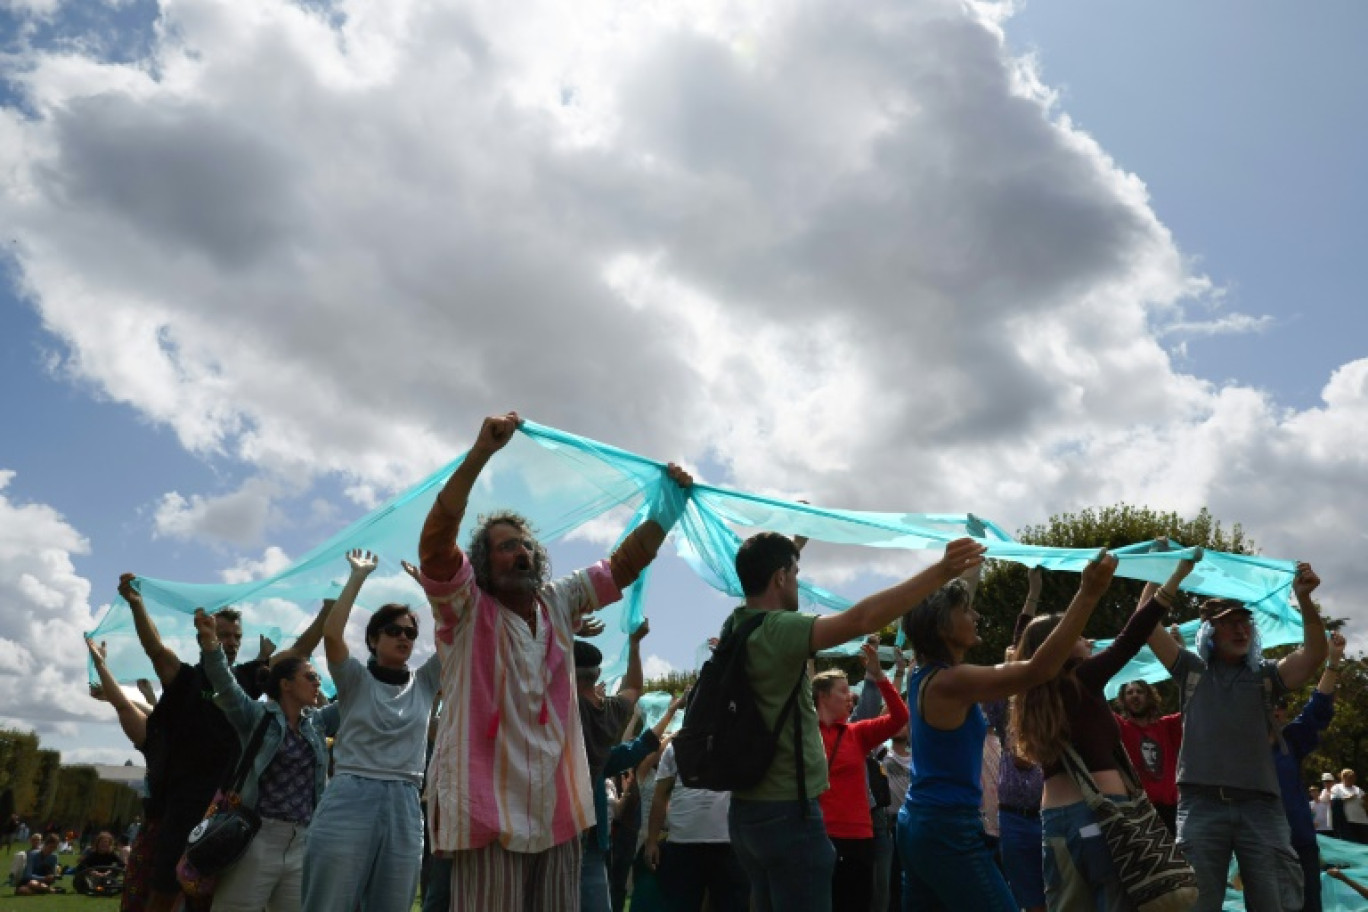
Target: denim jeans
947,863
1255,831
784,849
1078,868
365,847
593,876
688,870
269,876
1311,877
1019,843
436,884
883,856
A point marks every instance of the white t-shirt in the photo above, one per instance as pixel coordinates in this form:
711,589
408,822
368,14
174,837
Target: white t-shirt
695,815
646,789
1353,802
1320,810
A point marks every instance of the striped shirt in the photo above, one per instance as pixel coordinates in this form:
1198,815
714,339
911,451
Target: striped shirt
508,765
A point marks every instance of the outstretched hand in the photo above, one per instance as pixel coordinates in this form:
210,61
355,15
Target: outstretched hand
960,555
204,627
126,589
679,476
1097,575
97,653
640,633
1306,581
869,652
1337,643
590,627
496,431
362,561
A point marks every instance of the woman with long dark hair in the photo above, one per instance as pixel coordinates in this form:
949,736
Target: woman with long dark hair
1070,711
947,863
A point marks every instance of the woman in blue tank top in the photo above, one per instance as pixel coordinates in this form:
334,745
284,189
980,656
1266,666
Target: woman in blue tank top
946,860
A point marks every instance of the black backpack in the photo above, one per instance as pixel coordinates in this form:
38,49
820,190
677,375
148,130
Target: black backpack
724,744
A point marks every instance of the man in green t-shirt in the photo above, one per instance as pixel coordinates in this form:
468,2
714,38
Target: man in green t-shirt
780,838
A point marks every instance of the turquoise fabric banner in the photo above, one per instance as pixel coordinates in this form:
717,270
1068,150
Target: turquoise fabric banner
566,484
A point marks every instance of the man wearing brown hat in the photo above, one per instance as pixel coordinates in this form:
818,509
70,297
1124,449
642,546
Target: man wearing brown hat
1228,796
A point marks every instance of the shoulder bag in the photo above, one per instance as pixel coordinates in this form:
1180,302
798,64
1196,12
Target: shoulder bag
1154,873
226,831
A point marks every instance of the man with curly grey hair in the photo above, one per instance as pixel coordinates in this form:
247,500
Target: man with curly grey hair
508,784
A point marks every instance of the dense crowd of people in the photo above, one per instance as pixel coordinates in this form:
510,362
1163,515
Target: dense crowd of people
498,774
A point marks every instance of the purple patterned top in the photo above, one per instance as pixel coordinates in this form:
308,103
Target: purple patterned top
286,787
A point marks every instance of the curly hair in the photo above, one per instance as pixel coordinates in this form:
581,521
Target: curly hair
1151,695
479,546
1039,727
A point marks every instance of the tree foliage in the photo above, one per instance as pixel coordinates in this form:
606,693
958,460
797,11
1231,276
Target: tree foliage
1002,590
43,791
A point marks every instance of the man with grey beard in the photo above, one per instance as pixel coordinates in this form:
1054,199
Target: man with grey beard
509,792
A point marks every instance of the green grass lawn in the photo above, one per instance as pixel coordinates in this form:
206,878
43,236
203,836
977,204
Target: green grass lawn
63,902
58,902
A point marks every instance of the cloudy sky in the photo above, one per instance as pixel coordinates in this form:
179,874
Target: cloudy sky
266,263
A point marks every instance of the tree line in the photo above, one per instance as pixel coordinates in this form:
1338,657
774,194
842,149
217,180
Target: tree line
1002,590
42,792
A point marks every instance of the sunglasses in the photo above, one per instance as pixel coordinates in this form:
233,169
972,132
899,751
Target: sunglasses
312,677
395,630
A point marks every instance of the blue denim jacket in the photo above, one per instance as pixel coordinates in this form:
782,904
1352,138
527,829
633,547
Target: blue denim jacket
244,713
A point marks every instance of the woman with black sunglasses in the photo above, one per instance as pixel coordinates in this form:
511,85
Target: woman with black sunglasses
286,779
366,843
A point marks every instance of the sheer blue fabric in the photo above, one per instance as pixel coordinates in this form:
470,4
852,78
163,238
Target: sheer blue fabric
571,486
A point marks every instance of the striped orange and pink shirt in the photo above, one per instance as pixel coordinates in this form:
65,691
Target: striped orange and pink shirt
509,763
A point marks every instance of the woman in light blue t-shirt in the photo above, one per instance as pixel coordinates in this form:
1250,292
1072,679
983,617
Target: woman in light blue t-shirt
366,842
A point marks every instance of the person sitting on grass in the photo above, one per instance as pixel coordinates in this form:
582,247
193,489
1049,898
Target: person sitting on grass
99,868
42,870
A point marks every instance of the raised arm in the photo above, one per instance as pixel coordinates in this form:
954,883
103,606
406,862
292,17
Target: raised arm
132,720
164,661
870,704
334,628
1143,624
307,642
438,554
241,710
877,611
1330,677
1162,643
627,756
634,679
961,685
640,546
1297,668
1035,584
